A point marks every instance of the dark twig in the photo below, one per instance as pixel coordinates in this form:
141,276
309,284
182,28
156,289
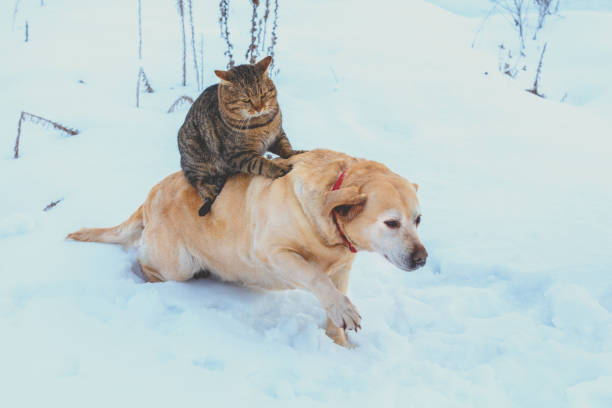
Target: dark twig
52,204
181,9
142,78
181,101
40,121
139,30
251,53
193,47
202,60
223,26
536,82
270,51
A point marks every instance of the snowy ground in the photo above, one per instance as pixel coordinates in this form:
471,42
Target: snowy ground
512,310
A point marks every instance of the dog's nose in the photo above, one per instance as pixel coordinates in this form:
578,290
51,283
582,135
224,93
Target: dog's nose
419,256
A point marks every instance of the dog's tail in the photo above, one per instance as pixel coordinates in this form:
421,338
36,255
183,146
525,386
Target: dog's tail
127,233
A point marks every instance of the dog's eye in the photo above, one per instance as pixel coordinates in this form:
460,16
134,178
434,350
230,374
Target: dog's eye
392,224
417,221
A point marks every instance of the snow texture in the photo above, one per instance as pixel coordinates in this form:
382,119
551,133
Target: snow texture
513,308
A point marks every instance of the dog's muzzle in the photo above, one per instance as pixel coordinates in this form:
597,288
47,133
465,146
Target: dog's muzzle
416,259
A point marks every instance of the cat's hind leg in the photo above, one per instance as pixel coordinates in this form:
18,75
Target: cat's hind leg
209,188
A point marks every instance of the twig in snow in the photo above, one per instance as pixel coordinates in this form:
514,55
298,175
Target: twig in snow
518,11
544,9
139,30
193,47
270,51
251,53
181,9
40,121
181,101
142,78
202,60
534,90
223,26
52,204
145,81
26,31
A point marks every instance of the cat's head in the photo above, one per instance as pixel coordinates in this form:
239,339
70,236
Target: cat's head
247,91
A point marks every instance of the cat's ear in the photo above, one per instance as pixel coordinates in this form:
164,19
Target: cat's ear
224,75
263,65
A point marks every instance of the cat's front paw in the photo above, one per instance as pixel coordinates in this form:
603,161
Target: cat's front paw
294,152
277,170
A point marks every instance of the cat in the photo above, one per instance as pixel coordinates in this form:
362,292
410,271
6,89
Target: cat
229,127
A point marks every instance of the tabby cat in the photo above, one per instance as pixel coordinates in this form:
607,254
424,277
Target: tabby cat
229,127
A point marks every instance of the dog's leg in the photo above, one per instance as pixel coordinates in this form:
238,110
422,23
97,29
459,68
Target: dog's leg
340,280
150,274
297,271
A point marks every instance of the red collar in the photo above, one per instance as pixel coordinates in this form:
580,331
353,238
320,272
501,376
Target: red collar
335,216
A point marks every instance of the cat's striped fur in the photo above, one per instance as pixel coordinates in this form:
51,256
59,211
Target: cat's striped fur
229,127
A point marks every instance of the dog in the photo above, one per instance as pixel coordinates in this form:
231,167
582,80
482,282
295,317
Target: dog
298,231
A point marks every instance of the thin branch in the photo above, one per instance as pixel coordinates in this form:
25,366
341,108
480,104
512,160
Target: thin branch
193,47
270,51
52,204
224,27
40,121
536,82
251,53
139,30
145,81
181,101
142,78
202,60
181,9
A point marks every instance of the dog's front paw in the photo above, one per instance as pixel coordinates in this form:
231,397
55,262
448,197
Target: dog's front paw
344,314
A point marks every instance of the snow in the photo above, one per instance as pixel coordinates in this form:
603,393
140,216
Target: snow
513,308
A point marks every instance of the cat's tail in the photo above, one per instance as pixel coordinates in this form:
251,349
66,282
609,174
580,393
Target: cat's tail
127,233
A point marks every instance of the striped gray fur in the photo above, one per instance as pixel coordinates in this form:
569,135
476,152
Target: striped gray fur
229,128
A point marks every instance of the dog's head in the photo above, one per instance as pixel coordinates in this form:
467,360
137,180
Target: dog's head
379,211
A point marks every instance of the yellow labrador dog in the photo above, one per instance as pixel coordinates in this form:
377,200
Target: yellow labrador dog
298,231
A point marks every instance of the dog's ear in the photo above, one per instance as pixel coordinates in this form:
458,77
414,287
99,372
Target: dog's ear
416,186
348,202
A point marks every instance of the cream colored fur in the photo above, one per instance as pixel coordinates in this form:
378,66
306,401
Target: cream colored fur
277,233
